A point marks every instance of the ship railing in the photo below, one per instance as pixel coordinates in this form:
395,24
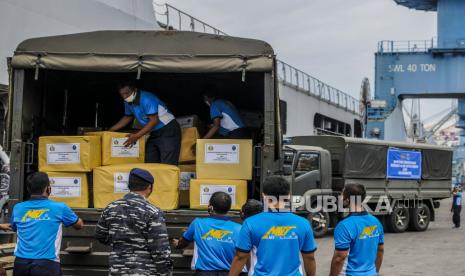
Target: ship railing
406,46
172,18
299,80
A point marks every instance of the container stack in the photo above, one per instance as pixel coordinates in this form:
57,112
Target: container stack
93,170
190,134
221,165
68,160
111,179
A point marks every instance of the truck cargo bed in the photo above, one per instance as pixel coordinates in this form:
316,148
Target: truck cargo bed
82,254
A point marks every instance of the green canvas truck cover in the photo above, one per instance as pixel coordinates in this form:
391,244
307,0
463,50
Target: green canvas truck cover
145,51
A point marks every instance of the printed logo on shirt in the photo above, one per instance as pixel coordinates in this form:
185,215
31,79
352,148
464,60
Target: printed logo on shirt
369,232
35,215
281,232
216,234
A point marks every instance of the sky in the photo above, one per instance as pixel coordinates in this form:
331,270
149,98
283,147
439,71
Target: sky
333,40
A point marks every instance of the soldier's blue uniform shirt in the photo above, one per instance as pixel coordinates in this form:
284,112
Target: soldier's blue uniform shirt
230,119
277,239
38,224
361,234
146,104
215,238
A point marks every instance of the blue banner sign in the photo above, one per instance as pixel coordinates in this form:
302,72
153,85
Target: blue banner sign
403,164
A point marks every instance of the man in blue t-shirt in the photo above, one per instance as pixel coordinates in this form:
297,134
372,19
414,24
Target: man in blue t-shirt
358,239
164,142
38,223
277,236
226,120
456,206
214,238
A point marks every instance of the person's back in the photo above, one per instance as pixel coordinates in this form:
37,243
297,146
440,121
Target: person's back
38,223
214,239
126,219
136,231
361,234
358,239
277,238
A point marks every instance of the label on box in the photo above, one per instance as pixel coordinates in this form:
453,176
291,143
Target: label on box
119,150
65,186
69,153
222,153
185,182
206,191
121,182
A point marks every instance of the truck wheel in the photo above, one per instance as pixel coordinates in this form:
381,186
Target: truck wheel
320,223
398,220
420,217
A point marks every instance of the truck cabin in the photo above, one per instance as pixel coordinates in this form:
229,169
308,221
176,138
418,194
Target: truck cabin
310,167
62,84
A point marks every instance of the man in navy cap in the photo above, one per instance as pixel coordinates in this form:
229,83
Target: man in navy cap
136,231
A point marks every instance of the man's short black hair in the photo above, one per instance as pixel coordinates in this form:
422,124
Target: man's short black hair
355,190
221,202
136,183
37,183
276,186
251,207
126,83
210,91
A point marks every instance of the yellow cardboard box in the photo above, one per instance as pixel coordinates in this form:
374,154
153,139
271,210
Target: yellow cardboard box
202,189
111,183
70,187
224,159
69,153
187,173
189,138
113,151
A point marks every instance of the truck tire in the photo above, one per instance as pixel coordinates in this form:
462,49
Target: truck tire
398,220
420,217
320,223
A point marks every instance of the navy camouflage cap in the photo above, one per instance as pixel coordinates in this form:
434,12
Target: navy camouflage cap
142,174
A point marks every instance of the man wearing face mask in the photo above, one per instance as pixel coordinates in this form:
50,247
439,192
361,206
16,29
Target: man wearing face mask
136,231
226,119
164,142
38,223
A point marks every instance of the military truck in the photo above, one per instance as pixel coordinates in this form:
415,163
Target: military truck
65,83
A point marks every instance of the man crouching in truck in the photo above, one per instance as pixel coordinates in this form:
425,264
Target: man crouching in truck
38,223
136,231
164,142
226,119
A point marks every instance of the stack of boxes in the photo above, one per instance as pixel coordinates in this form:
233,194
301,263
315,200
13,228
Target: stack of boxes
222,165
190,134
68,160
93,170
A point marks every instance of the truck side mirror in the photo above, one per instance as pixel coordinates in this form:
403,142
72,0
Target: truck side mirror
287,170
